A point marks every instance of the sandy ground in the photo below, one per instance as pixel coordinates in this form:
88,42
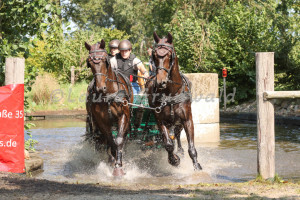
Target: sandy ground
14,186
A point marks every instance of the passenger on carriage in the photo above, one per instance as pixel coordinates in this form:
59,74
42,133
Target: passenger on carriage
129,64
152,68
113,48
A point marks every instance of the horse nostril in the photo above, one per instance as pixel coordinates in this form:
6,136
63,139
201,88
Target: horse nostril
104,88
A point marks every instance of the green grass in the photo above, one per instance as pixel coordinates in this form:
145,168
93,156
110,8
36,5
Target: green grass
66,97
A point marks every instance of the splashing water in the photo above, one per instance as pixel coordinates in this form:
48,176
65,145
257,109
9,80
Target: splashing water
68,158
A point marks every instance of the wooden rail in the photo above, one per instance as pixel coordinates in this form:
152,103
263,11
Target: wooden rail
281,95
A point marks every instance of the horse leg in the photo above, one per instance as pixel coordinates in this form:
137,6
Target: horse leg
189,130
119,141
169,145
111,158
178,130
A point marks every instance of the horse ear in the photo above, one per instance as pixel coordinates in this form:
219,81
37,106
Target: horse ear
102,44
170,38
87,46
156,38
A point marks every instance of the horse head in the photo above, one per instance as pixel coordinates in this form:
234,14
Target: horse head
98,62
164,57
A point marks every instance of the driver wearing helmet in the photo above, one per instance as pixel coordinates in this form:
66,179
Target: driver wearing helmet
113,48
129,64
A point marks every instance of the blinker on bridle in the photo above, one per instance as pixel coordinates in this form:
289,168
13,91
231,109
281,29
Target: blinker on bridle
96,59
170,48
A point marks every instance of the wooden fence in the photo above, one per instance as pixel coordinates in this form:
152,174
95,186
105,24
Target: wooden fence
265,113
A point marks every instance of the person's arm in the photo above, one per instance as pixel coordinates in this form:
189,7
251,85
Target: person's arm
113,63
150,67
143,70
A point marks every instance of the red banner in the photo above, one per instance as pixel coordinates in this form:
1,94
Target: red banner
12,128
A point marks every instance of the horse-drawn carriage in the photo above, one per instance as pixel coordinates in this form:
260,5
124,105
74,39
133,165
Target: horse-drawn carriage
158,116
143,125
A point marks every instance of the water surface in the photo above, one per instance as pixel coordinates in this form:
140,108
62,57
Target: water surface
233,159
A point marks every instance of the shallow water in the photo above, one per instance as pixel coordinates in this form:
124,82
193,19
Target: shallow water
68,158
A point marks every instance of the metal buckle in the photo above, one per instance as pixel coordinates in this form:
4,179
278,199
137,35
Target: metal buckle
125,103
158,110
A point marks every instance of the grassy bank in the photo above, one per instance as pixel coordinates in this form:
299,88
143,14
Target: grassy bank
58,97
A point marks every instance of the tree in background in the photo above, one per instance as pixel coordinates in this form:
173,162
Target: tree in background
21,25
138,18
208,35
56,56
192,39
287,55
239,32
19,22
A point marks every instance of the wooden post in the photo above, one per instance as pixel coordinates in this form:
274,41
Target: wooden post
225,98
72,75
265,115
14,71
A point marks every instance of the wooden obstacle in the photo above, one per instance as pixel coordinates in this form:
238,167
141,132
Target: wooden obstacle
265,113
205,107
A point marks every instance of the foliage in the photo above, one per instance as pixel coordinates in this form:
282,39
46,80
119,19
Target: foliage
238,33
208,35
57,56
30,75
191,41
65,97
137,18
19,21
275,179
43,87
287,55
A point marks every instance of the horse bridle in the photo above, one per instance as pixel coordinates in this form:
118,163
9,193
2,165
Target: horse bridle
96,59
170,48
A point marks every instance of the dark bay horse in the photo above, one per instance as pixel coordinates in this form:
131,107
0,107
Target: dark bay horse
170,92
107,105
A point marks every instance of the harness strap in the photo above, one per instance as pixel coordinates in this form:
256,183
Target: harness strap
101,74
166,45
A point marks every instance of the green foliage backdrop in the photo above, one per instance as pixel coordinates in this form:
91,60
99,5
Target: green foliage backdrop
208,35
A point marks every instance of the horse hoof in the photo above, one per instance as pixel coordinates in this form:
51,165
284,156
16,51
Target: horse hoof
118,171
175,161
197,167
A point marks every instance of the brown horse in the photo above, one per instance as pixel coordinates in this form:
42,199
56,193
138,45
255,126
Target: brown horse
107,105
169,92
